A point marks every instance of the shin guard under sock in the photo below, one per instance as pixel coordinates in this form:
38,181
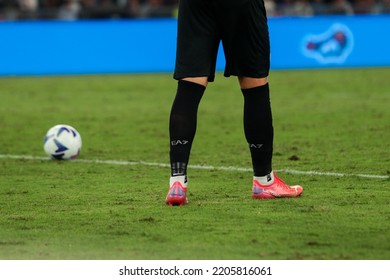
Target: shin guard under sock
258,128
182,124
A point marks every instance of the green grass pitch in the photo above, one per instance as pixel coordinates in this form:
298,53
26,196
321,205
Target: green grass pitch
332,128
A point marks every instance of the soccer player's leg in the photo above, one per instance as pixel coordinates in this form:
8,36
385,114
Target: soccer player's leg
259,134
196,53
182,129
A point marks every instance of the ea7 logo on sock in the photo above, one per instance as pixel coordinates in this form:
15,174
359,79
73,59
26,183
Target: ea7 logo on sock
255,146
179,142
332,46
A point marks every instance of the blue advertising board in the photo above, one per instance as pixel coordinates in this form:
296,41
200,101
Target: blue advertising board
338,41
142,46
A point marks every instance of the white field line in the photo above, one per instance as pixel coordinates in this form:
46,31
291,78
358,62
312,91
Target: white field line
206,167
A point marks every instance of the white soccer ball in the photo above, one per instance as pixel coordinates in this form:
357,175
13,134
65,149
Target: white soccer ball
62,142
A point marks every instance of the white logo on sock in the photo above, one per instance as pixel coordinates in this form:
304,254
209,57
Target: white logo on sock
255,146
178,142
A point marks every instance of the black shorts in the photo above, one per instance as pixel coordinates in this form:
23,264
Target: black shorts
242,27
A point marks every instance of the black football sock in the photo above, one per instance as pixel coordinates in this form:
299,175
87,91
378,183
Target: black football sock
258,128
182,124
